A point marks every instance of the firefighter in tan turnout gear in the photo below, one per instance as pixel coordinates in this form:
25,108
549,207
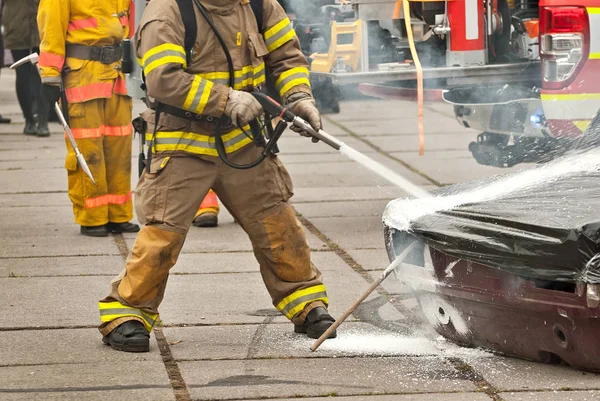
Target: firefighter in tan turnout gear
191,97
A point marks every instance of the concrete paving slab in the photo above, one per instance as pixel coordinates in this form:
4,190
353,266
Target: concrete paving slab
51,302
339,376
299,144
227,237
371,259
440,142
25,200
553,396
343,209
23,181
98,381
53,241
242,297
408,397
240,262
324,194
449,170
518,375
45,215
61,266
364,232
278,341
349,173
67,346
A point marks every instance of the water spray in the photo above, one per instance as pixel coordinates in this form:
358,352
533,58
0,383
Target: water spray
274,108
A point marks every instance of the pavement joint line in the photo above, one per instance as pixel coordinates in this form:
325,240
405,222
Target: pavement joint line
353,264
332,395
59,256
41,328
474,377
116,387
34,192
385,153
308,202
178,384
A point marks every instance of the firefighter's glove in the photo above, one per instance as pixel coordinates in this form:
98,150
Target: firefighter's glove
242,107
302,105
51,93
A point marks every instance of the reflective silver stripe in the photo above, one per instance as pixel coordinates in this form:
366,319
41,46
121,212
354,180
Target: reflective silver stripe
286,80
199,144
271,40
164,53
198,95
303,299
238,80
127,311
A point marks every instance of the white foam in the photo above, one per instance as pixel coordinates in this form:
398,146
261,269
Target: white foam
399,213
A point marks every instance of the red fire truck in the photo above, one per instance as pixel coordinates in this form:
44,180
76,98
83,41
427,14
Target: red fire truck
523,72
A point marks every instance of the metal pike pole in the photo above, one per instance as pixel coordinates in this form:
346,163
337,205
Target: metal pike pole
372,287
33,59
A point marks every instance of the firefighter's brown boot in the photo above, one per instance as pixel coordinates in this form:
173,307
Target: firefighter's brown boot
130,336
317,322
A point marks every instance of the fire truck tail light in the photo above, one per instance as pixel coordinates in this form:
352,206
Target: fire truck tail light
564,39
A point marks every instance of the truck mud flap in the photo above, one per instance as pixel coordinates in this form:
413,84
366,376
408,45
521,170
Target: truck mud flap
475,305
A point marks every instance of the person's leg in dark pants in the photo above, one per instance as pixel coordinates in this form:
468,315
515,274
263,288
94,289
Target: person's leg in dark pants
25,92
42,106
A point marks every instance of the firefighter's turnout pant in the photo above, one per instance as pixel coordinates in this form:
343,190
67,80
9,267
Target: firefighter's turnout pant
102,129
166,200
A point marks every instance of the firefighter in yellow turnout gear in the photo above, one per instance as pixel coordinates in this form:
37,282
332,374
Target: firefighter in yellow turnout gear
208,212
80,49
185,165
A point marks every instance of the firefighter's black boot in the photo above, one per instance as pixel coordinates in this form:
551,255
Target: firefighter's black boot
317,322
119,228
130,336
94,231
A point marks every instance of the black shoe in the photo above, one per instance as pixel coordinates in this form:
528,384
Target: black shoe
43,131
94,231
4,120
208,219
317,322
130,336
119,228
30,128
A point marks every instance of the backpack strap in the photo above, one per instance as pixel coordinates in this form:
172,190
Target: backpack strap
186,8
257,9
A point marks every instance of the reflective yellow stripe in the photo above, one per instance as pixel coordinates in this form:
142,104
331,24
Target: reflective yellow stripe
279,34
197,143
247,77
571,96
204,98
290,78
110,311
293,304
594,56
593,10
276,28
582,124
197,97
192,93
163,54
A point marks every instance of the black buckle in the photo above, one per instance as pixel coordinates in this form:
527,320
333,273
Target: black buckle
110,54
